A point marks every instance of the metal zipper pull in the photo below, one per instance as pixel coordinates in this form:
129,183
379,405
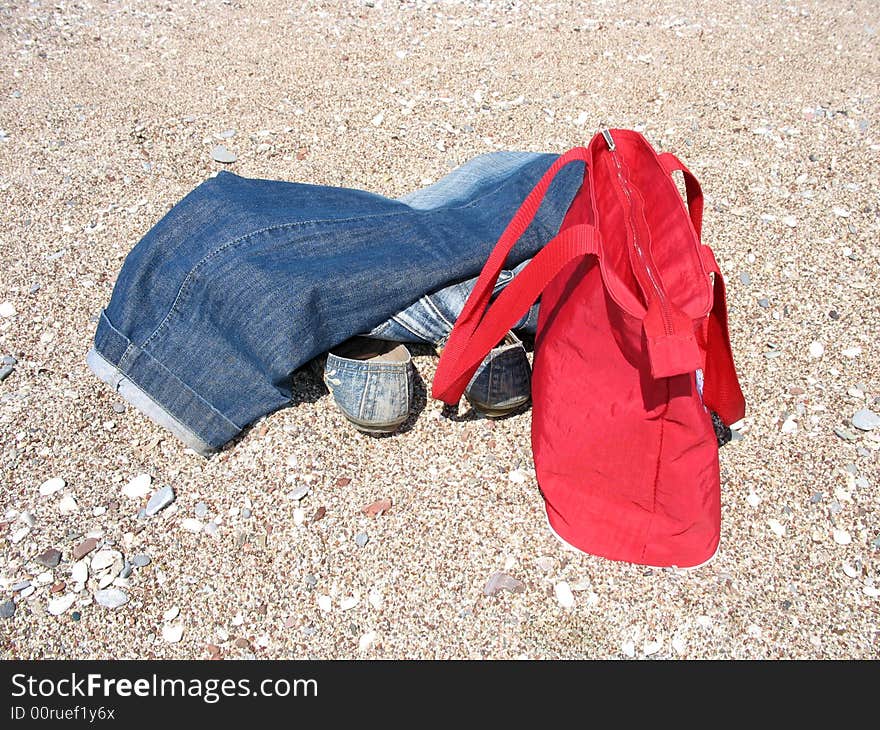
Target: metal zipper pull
609,140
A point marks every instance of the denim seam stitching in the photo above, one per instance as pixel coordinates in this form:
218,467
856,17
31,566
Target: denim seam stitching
282,226
125,373
187,427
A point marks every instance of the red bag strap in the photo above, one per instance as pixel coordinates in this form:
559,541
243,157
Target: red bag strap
458,358
692,187
721,389
468,345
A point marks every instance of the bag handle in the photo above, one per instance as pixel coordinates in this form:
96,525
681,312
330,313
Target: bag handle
721,389
692,187
468,346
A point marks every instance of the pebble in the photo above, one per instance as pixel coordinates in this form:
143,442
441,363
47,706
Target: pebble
366,641
517,476
361,539
85,547
172,633
379,507
111,598
139,487
651,647
300,492
790,221
140,561
628,648
126,570
201,510
105,559
866,420
745,278
851,352
564,595
311,581
349,603
502,582
226,134
850,571
68,505
221,154
7,609
19,535
375,599
118,407
192,525
817,349
845,434
7,309
28,519
246,513
171,614
20,586
160,500
49,558
80,571
753,499
764,303
211,528
57,606
50,486
679,645
325,603
871,591
776,526
841,537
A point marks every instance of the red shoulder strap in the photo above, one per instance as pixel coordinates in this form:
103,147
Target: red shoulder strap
721,389
692,187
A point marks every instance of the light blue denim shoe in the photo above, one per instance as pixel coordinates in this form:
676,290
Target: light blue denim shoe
503,382
371,382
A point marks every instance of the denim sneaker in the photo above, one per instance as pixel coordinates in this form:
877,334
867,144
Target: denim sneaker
371,382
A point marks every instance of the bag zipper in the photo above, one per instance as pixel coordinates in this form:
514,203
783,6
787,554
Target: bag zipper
624,185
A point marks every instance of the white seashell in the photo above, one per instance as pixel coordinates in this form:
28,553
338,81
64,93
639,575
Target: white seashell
564,595
50,486
841,537
67,505
139,487
325,603
850,571
629,648
777,527
172,633
57,606
171,614
190,524
349,602
366,641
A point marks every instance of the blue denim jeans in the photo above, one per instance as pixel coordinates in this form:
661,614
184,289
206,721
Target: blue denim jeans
245,280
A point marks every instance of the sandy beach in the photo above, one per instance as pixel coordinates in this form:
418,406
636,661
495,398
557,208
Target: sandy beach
110,113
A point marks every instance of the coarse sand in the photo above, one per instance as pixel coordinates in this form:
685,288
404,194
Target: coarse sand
109,114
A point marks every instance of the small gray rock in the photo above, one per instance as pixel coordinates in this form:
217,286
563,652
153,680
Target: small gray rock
160,500
126,569
221,154
211,528
816,498
9,360
845,434
50,558
361,539
140,561
309,630
835,508
226,134
21,586
5,371
119,407
246,513
201,510
7,609
111,598
866,420
311,581
764,302
745,278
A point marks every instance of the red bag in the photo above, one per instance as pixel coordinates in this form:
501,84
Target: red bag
625,451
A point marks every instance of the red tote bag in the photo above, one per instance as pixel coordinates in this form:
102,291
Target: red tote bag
633,309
